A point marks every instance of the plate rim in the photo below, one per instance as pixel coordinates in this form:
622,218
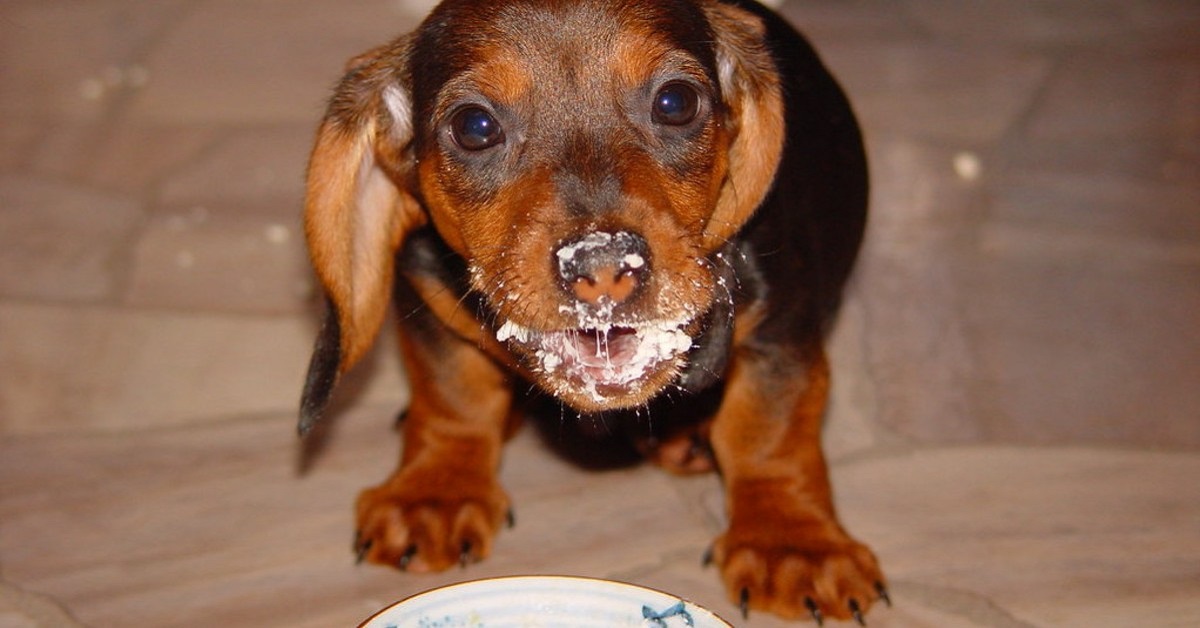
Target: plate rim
572,579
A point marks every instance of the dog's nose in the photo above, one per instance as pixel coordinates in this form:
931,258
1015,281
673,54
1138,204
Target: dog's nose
603,267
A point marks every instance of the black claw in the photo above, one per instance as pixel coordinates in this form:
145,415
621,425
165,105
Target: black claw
465,557
815,611
744,603
361,549
707,558
510,518
856,612
401,418
407,558
883,594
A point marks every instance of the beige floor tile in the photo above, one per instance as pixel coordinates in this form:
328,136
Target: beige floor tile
17,136
826,24
1099,344
1052,535
128,158
166,527
945,94
64,60
268,65
912,283
257,165
852,421
1163,159
1148,90
22,609
1155,18
163,526
60,241
1051,24
1143,220
225,258
1104,299
156,369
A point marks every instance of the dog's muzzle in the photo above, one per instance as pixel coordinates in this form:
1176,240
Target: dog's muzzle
610,353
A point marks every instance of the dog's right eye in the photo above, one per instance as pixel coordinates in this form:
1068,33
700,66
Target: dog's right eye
475,129
676,104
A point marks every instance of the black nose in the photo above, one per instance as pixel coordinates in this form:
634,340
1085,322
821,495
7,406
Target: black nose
603,267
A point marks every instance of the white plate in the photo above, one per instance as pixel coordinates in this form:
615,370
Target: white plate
544,602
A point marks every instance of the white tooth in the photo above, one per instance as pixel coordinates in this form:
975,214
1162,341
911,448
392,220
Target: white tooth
510,330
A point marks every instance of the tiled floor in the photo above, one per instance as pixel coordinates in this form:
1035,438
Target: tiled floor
1016,427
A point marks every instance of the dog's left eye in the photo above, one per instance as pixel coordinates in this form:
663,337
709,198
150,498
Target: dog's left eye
676,104
475,129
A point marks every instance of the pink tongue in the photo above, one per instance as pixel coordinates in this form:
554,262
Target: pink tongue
614,347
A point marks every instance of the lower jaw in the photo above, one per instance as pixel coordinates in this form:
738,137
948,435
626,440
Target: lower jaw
587,394
647,360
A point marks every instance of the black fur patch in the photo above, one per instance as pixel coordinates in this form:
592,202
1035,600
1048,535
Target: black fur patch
322,372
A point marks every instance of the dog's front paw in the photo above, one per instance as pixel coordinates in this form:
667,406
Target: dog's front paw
795,570
415,526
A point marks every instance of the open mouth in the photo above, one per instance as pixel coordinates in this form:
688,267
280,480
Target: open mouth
605,362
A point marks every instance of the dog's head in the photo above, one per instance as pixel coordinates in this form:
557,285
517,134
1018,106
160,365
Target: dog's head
586,159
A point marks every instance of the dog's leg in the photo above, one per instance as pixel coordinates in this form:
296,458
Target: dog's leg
684,452
784,550
444,504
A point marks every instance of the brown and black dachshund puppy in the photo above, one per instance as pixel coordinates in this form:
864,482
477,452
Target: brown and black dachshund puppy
624,203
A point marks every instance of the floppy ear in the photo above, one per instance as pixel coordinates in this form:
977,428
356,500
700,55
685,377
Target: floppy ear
751,89
357,212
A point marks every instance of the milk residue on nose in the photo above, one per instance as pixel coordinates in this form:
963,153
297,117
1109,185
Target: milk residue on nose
591,241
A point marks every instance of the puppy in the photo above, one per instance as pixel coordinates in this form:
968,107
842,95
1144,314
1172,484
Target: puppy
622,202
